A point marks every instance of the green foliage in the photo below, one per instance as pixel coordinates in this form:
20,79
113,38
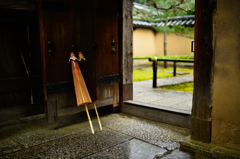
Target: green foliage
184,87
166,9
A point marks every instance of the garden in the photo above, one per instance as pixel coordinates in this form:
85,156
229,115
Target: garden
144,71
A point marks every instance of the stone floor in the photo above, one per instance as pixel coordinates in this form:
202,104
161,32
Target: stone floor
164,99
123,136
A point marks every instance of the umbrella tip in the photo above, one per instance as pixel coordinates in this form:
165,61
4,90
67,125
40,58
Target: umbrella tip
72,56
80,56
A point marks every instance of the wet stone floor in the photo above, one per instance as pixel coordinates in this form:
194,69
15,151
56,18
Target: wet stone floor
123,137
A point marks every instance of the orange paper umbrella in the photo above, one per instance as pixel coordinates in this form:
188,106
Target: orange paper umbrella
89,83
82,95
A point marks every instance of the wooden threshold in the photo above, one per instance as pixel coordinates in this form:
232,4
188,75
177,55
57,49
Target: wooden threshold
72,110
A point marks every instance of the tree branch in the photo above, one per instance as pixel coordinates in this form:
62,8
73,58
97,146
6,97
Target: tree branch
184,35
144,13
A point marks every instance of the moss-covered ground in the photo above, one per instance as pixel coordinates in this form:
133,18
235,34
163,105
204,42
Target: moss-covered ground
146,73
184,87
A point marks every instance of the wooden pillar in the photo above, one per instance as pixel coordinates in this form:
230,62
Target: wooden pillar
126,54
203,64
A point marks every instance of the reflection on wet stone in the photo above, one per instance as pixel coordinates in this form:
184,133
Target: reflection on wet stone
176,154
132,149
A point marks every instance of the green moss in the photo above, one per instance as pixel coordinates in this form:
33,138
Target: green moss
184,87
141,75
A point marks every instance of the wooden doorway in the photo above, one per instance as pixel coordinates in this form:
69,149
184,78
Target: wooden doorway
36,40
21,92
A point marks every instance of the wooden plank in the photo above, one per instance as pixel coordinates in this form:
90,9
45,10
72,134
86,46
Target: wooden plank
115,90
11,62
56,26
84,33
21,111
19,4
35,59
107,63
72,110
21,83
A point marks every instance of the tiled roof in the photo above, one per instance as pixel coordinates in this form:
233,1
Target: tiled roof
180,20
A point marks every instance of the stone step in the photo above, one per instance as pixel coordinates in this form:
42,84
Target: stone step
177,117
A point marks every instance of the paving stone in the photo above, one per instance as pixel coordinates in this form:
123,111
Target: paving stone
7,145
132,149
160,134
171,101
147,99
23,128
39,137
73,146
185,105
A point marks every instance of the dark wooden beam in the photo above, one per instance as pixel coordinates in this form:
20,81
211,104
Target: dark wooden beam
74,109
21,83
203,63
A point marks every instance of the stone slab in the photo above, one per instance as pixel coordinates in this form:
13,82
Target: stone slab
7,145
73,146
154,132
132,149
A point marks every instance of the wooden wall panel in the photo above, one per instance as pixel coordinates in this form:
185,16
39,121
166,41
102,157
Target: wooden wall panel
83,19
56,25
11,63
107,63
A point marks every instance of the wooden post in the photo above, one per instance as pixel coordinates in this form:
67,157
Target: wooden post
165,44
155,74
126,51
174,68
203,63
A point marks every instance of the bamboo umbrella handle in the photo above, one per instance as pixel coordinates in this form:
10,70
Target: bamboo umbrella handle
89,119
98,116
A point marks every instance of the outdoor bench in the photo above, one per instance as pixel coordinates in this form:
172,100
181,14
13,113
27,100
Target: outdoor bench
155,64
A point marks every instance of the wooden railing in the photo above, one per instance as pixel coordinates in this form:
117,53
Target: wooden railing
155,60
